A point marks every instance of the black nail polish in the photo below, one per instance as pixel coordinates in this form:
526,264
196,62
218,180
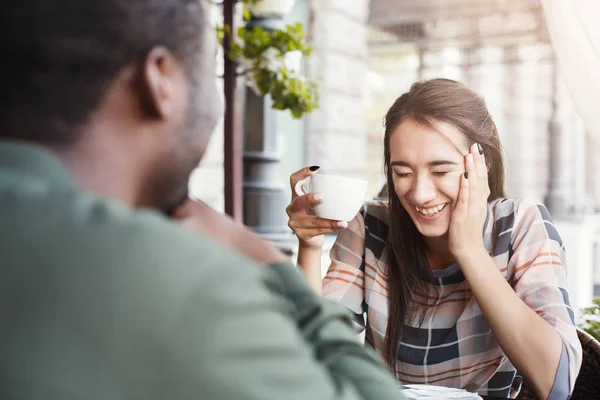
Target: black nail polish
314,168
479,148
466,175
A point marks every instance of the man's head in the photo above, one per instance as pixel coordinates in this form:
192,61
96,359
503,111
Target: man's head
125,86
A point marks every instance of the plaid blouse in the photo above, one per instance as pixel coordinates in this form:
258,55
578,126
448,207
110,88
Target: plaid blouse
454,346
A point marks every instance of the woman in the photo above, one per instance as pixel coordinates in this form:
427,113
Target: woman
461,286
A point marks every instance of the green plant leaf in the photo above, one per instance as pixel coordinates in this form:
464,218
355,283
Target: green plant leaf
265,51
591,317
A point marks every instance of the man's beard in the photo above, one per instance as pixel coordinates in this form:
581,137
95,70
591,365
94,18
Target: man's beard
167,187
171,186
170,210
173,171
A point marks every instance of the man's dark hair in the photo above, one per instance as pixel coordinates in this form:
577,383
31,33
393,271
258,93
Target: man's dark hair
60,56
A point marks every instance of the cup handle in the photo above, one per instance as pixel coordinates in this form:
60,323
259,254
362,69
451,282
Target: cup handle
302,187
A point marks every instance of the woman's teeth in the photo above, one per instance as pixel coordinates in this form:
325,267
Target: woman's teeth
431,211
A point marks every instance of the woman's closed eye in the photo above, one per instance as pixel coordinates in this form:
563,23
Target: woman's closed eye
402,174
408,174
440,173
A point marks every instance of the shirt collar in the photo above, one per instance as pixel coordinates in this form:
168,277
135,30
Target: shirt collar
33,161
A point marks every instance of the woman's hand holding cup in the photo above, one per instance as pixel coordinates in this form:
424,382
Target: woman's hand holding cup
308,227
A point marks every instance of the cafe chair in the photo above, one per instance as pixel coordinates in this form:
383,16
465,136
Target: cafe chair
587,386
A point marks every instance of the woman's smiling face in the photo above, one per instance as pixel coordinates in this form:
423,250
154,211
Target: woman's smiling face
427,164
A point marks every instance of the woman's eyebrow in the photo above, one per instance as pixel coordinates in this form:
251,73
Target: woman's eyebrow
435,163
442,162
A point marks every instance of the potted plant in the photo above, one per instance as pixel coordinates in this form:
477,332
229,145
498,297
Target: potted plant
270,7
265,56
591,317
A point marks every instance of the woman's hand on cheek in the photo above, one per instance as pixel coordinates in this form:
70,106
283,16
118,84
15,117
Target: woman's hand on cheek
468,217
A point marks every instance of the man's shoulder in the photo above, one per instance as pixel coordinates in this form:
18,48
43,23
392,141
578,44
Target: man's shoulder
72,225
91,275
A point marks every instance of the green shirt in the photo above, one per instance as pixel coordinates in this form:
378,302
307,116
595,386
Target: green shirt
99,302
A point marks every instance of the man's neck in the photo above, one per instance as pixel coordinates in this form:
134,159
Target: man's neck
100,170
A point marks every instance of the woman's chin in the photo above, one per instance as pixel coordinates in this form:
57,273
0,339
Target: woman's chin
432,230
434,234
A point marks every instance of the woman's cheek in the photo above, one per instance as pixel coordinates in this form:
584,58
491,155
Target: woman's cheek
401,186
449,185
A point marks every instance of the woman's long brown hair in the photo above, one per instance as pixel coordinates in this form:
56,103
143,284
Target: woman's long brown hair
427,102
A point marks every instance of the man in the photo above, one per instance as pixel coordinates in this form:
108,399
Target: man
115,99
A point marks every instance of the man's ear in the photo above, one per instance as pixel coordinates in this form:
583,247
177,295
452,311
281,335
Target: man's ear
157,81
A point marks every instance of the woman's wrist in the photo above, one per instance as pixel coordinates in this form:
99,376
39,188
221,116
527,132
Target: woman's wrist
470,254
309,261
310,247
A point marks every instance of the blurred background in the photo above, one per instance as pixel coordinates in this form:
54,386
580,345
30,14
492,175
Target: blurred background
536,63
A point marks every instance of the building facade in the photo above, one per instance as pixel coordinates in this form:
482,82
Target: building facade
369,53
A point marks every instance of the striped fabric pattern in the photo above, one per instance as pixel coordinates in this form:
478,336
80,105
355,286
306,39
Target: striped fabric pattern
454,345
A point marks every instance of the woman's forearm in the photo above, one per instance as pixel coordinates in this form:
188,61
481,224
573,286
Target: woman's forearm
531,344
309,261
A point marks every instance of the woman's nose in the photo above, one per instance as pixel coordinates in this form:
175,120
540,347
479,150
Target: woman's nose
423,191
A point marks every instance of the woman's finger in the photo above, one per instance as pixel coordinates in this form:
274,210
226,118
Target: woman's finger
483,186
471,163
304,204
471,170
480,162
314,222
307,234
299,175
462,203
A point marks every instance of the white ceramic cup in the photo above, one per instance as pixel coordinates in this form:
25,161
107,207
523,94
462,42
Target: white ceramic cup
342,197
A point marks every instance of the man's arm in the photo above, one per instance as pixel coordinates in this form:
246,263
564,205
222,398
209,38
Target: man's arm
267,335
199,217
251,336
